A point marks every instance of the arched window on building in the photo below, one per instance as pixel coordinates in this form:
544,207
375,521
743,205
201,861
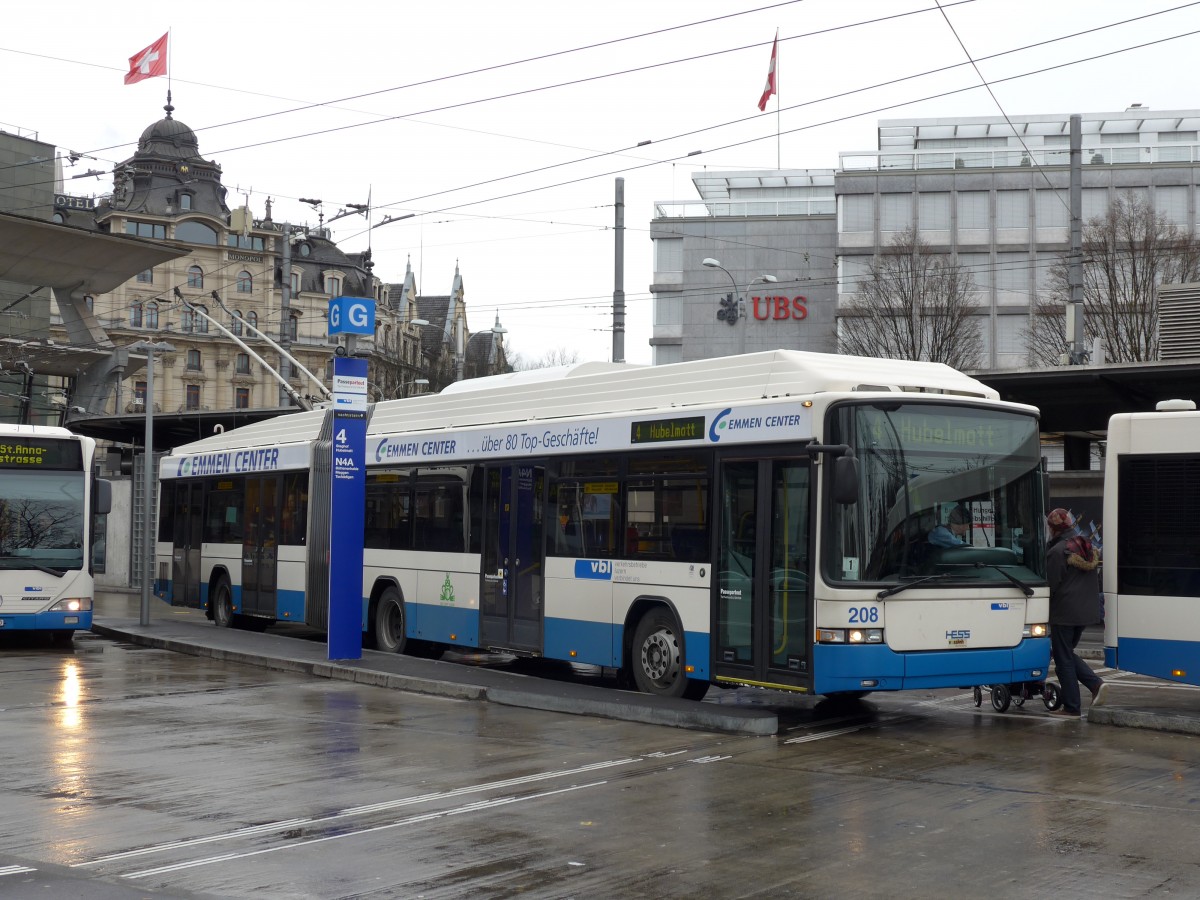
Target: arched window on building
252,319
245,282
242,364
193,360
152,315
135,315
195,277
236,324
201,321
195,232
333,284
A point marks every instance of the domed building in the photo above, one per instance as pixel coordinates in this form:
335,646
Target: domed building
233,277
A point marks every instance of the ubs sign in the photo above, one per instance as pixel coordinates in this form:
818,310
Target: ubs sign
781,308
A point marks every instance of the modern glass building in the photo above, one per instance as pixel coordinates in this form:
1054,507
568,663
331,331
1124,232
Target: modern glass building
989,193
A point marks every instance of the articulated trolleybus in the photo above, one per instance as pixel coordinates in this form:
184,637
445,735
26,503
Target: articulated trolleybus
48,500
754,520
1152,542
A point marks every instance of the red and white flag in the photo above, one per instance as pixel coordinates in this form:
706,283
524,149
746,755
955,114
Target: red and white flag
152,62
769,88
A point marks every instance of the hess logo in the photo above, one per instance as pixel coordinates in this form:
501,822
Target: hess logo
960,634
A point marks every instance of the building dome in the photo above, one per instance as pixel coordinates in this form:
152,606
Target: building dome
169,138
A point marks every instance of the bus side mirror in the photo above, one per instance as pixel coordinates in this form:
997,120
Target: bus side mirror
845,480
103,504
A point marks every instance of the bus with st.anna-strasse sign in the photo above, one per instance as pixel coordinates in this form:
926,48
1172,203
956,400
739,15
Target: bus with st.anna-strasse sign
756,520
49,501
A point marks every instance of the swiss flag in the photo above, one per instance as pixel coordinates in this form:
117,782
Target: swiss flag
769,89
152,62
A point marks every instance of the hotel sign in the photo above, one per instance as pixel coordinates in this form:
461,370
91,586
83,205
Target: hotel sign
65,201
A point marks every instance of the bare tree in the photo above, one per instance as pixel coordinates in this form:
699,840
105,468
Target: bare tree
1127,253
913,304
556,356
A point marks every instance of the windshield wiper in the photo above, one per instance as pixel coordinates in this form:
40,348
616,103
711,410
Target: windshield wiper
29,564
897,588
1025,589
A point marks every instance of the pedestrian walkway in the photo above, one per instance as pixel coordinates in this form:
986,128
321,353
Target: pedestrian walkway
1126,700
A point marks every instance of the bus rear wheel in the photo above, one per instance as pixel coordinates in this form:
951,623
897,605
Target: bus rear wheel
657,658
387,626
222,605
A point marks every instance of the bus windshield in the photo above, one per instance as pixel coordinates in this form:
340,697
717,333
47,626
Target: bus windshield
41,520
945,490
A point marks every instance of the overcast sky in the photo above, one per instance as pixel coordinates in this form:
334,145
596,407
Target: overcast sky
502,126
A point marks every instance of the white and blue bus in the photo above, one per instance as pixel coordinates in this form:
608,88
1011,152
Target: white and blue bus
1152,542
49,501
754,520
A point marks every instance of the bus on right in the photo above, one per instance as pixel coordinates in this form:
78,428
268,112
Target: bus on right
1151,575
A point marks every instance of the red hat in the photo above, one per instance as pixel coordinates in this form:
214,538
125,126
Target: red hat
1060,520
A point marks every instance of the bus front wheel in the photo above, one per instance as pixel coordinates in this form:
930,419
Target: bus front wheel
222,605
657,658
388,623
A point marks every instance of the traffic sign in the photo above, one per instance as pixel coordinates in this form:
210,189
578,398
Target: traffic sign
351,315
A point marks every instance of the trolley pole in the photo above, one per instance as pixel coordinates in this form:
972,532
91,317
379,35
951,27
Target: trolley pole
148,348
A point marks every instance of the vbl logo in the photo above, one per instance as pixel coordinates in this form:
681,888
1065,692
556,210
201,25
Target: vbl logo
600,569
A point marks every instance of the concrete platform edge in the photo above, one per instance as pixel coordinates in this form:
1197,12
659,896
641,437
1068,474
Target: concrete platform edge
681,714
1150,721
701,718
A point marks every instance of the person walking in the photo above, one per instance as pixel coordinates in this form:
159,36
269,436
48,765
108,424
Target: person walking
1071,564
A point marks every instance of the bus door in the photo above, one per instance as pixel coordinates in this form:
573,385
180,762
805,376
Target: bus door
511,583
187,519
260,544
764,552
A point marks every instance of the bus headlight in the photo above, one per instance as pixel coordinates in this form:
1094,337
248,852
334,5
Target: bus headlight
850,636
866,635
1037,631
72,604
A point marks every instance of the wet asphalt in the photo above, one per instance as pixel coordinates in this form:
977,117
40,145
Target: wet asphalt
1122,702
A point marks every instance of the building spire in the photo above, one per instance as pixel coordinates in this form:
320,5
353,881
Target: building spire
169,108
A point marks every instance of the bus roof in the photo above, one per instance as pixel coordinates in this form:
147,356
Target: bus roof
604,388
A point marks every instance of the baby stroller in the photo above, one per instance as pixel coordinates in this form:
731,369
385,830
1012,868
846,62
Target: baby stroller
1003,695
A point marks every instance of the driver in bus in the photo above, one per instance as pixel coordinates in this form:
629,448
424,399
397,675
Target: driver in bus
953,532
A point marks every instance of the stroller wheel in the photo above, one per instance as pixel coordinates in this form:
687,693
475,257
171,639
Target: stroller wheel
978,691
1001,697
1050,696
1019,700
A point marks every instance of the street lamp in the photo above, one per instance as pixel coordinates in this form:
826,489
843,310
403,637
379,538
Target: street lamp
149,349
418,383
736,309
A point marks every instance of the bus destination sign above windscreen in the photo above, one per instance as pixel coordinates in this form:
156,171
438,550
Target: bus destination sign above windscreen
41,453
661,431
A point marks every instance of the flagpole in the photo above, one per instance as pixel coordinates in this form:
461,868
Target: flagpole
778,103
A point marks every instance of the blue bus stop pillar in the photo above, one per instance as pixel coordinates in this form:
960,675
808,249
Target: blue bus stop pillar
347,505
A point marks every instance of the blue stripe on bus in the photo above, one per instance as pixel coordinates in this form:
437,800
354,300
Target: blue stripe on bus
838,667
289,606
444,624
46,621
600,644
592,642
1157,658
